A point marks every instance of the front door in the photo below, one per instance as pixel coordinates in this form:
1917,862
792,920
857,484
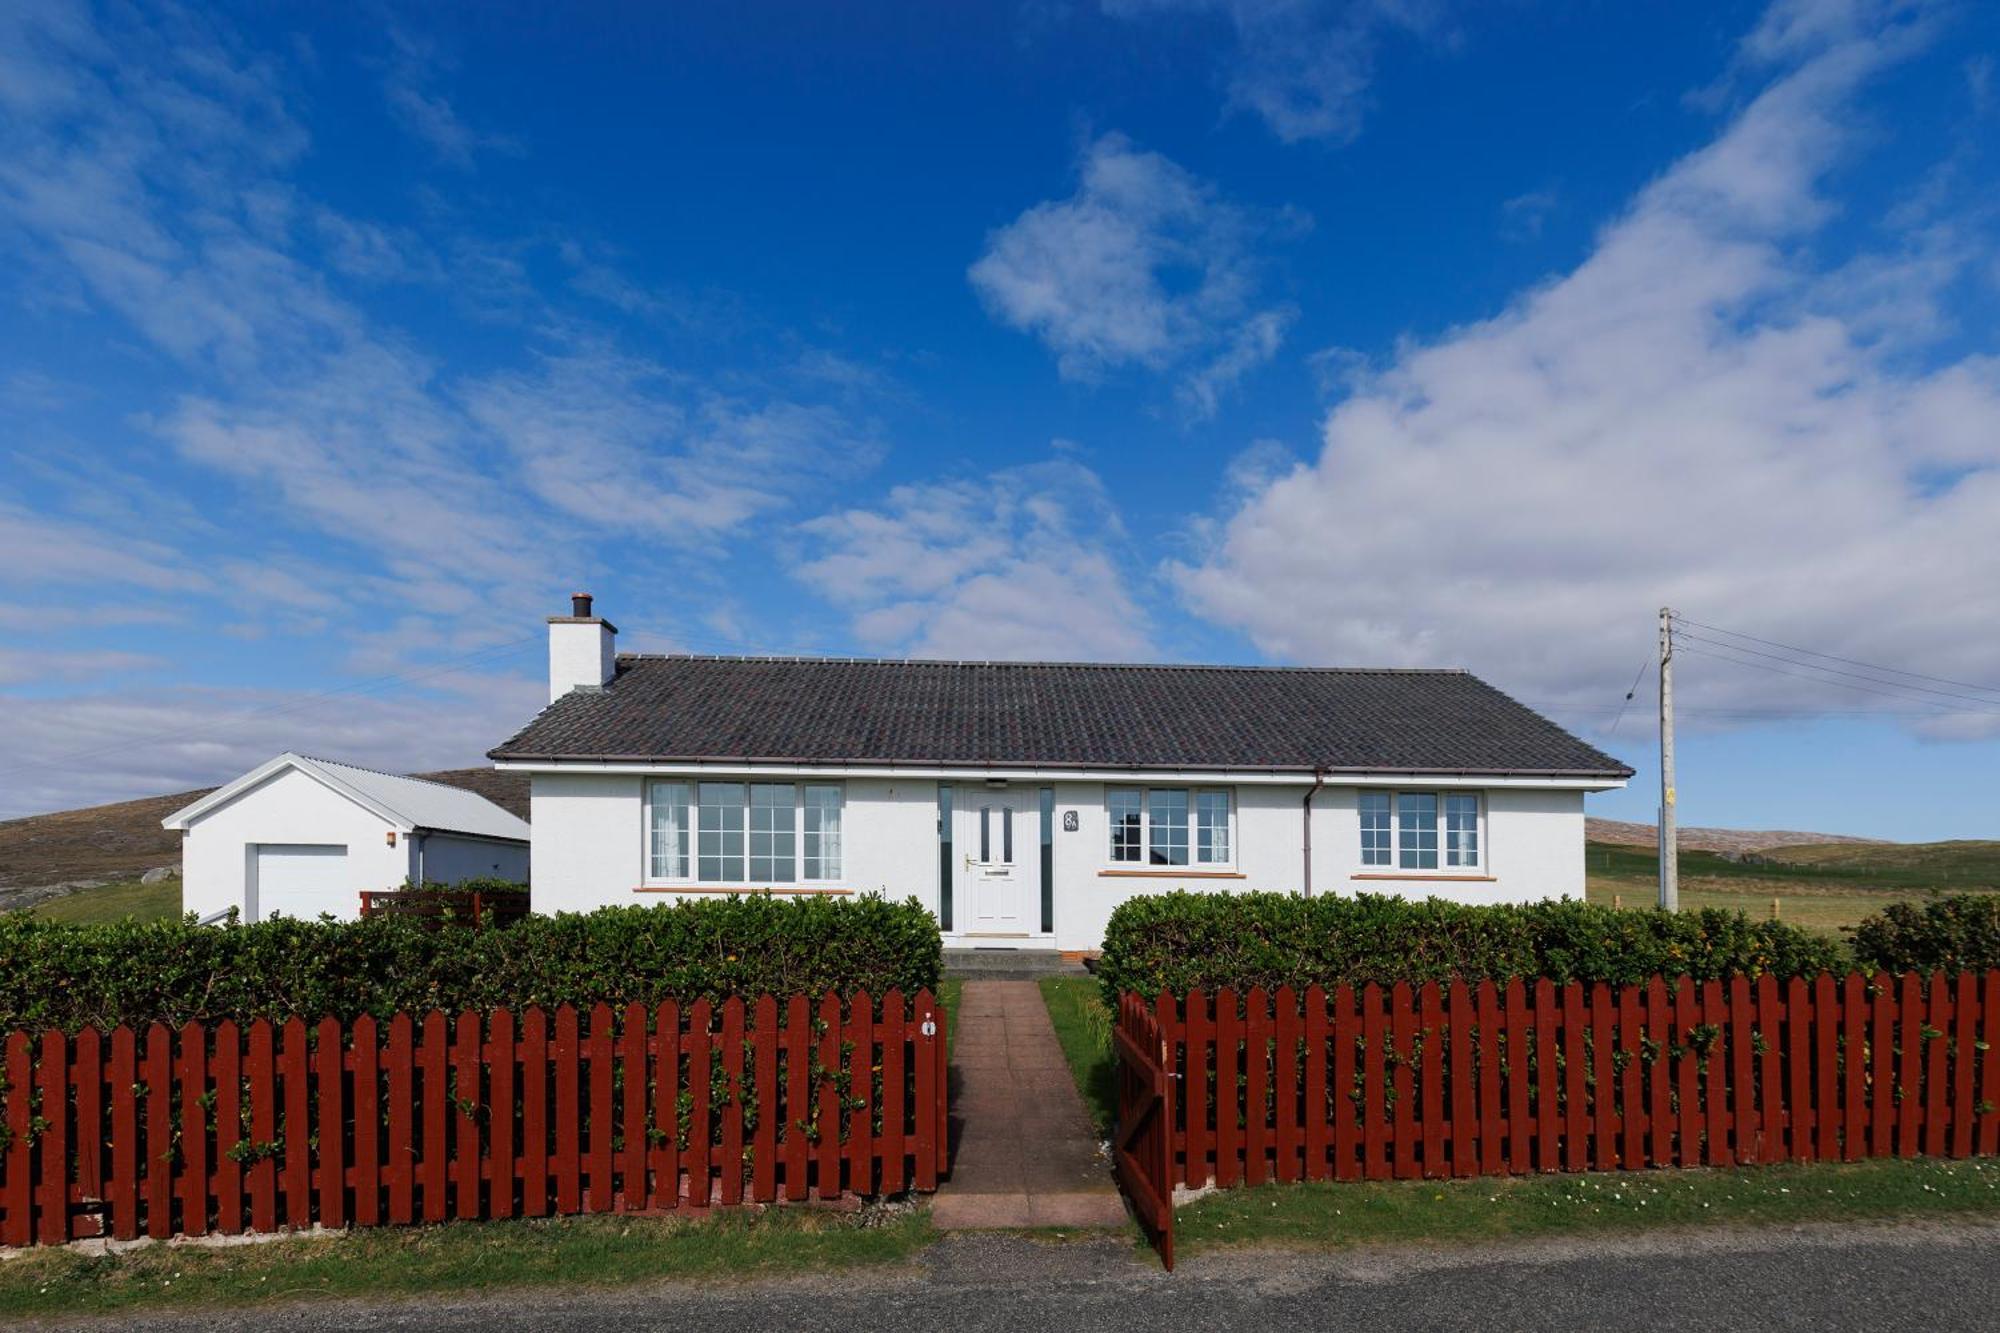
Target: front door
999,846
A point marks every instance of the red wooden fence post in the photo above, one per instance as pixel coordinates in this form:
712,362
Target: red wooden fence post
930,1126
827,1121
1228,1131
260,1071
1715,1083
1319,1114
1963,1065
1659,1098
1799,1055
1256,1086
1200,1039
1910,1067
1520,1158
90,1124
1287,1139
666,1105
401,1166
332,1127
18,1200
1937,1048
467,1154
603,1113
1492,1159
159,1078
1604,1085
860,1037
564,1059
895,1104
798,1098
54,1146
1548,1082
1687,1072
1989,1064
1576,1069
1464,1085
1402,1057
1855,1013
1770,1076
1826,1068
365,1060
632,1046
1374,1085
433,1061
1432,1032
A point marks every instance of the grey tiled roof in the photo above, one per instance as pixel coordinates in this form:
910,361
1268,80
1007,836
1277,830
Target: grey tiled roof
1053,714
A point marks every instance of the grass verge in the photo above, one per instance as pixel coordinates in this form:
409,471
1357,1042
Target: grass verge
1083,1026
458,1258
949,992
114,902
1326,1215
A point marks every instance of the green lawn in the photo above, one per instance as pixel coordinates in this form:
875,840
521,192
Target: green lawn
1334,1216
1083,1026
948,992
1822,888
115,902
458,1258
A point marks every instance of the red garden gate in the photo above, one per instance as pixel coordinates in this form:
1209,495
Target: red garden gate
1143,1146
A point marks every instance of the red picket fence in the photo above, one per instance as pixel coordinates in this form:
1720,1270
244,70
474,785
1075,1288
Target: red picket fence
228,1129
1458,1080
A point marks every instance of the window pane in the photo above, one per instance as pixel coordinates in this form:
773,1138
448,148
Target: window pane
1007,834
1211,827
1461,830
822,833
668,845
1123,805
719,832
986,833
1417,830
1375,828
773,832
1167,826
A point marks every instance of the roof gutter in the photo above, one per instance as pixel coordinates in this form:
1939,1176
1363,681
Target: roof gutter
506,760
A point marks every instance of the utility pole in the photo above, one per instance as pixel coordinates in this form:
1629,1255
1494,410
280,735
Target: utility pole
1670,876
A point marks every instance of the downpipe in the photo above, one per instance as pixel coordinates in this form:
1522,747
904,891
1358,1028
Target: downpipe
1319,780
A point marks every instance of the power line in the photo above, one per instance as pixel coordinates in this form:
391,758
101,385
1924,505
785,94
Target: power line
1831,657
1905,690
1637,676
1839,684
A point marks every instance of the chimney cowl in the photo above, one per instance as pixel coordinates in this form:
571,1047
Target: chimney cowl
579,605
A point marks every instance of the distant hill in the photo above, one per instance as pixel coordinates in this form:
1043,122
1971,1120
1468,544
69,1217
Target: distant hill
1730,841
101,843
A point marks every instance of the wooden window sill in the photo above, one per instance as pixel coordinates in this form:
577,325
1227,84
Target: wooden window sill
781,890
1171,874
1445,879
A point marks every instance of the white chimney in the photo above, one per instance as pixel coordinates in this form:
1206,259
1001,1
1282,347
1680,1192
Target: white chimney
581,652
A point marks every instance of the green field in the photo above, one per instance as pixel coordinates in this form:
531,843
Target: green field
114,902
1822,888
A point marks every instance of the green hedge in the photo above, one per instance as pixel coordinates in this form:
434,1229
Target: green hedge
1178,941
72,976
1956,933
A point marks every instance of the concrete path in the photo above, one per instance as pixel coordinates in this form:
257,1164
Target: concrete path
1028,1155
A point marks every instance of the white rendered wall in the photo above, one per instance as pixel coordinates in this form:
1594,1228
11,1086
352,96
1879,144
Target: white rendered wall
447,858
217,849
590,834
581,652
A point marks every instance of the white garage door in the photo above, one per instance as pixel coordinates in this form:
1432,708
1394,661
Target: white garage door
303,880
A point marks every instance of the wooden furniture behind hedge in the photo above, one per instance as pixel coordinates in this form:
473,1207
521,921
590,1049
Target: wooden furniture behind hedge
423,1118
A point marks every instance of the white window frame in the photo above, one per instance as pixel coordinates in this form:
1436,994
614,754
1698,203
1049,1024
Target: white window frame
1193,794
690,878
1444,797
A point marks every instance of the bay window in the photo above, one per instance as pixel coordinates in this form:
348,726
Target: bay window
748,833
1169,826
1420,830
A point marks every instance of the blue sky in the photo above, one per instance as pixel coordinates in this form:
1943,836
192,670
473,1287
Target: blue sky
341,344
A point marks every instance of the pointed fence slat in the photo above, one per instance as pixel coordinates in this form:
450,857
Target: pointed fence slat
206,1128
1455,1079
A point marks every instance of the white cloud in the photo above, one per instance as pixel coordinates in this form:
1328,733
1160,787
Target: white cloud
1145,265
1021,563
1523,216
1698,414
22,667
414,64
1303,66
87,749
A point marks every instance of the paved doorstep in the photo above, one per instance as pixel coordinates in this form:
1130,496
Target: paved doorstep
1028,1155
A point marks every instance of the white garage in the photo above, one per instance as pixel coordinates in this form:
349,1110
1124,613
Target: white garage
302,837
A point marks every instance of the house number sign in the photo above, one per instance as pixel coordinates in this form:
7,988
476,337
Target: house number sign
1069,821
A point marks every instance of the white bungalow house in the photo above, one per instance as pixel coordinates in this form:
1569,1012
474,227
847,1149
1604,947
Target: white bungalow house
1023,801
300,836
